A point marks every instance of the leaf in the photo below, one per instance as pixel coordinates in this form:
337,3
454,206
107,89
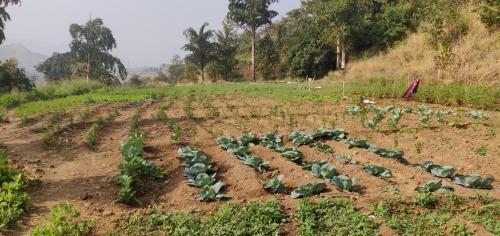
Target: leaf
226,142
203,179
324,171
322,147
300,138
437,170
429,187
308,190
378,171
335,134
247,139
271,140
292,154
358,143
308,165
477,115
344,183
275,184
346,159
353,110
211,192
196,169
256,163
474,181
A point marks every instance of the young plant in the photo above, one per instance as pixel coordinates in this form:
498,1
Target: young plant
210,193
345,183
275,184
93,135
325,148
308,190
300,138
432,186
346,159
477,115
474,181
378,171
63,221
437,170
425,199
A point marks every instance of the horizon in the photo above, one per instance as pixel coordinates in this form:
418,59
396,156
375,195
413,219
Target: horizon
162,33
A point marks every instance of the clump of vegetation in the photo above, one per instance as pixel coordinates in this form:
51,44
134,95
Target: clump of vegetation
275,184
332,217
92,136
425,199
135,123
308,190
87,113
378,171
481,151
64,221
14,201
134,167
253,218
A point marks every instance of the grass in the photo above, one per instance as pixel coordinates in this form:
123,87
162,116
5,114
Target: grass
332,217
408,218
253,218
92,136
481,97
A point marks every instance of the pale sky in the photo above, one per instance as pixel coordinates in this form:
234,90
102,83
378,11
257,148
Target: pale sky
148,32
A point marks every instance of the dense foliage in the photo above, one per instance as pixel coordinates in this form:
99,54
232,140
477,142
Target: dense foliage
13,78
64,221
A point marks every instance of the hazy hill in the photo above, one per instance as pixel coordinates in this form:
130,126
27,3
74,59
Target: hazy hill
26,58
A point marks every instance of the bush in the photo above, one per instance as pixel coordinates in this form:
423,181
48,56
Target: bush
63,221
489,10
427,200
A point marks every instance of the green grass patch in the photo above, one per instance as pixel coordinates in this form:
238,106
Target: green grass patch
64,221
253,218
481,97
411,218
332,217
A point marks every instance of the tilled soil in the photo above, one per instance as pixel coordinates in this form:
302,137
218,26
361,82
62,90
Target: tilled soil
71,172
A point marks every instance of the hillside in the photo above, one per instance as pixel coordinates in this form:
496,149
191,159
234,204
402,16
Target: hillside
475,58
26,58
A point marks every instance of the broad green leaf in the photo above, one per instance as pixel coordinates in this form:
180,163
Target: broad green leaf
429,187
275,184
308,190
358,143
346,160
247,139
322,147
203,179
335,134
378,171
474,181
344,183
300,138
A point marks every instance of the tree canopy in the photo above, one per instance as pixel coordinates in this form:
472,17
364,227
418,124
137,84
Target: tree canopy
4,16
12,77
57,67
90,48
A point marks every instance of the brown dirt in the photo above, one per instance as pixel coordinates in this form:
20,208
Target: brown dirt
73,173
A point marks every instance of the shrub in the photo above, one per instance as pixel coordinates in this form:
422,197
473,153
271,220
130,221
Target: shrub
63,221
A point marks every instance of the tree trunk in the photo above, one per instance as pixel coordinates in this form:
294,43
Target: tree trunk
88,68
342,66
338,55
203,75
254,78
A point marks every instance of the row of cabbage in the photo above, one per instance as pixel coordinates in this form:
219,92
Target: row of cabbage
426,114
197,167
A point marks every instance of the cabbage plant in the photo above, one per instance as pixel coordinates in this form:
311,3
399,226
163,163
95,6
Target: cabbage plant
378,171
344,183
308,190
437,170
275,184
474,181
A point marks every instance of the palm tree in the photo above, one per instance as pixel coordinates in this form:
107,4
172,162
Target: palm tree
200,47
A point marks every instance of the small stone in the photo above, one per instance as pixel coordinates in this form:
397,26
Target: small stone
108,213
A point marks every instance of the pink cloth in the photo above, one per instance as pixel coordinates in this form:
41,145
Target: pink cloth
412,89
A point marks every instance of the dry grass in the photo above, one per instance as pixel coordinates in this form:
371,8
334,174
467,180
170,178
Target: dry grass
476,59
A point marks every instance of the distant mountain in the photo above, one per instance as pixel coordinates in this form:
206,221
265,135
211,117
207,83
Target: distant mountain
26,58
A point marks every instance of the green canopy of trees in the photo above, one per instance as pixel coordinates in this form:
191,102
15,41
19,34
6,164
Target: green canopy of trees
13,78
4,16
200,47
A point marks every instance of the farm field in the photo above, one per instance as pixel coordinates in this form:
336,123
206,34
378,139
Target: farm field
72,150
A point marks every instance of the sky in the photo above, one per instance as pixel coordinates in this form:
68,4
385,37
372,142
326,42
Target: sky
147,34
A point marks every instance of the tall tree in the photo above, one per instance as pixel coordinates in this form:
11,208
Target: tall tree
4,16
226,47
251,14
200,47
57,67
90,47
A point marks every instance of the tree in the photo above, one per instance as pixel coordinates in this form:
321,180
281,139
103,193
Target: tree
251,14
341,21
13,77
175,69
200,47
4,16
268,58
58,67
90,48
226,47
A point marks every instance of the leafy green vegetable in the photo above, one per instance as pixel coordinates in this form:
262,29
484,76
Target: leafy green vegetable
334,134
379,116
308,190
432,186
477,115
275,184
324,171
394,154
271,140
353,110
202,179
378,171
292,154
211,192
358,143
308,165
256,163
300,138
247,139
474,181
197,168
322,147
225,142
345,183
437,170
346,159
63,222
397,114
